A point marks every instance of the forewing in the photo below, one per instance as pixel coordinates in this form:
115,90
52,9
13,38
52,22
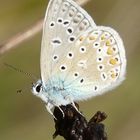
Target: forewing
64,22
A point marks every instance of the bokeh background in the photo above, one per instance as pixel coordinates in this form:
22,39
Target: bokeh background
23,116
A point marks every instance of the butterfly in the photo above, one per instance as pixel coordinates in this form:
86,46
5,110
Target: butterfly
79,59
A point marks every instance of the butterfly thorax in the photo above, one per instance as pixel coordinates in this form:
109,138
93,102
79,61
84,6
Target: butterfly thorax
51,92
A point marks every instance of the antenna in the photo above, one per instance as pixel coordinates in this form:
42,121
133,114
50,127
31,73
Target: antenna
21,71
20,91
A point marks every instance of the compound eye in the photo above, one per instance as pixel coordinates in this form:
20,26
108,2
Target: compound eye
38,88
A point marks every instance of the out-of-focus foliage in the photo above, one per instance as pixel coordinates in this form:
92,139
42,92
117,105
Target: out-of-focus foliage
23,116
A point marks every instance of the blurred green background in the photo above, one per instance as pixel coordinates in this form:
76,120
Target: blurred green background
23,116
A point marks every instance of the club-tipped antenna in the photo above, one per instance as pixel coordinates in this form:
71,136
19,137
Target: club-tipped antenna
20,91
21,71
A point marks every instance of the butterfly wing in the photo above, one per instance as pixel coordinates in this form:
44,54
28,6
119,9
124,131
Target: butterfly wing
86,60
64,22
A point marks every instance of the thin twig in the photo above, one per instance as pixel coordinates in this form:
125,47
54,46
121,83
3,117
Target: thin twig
20,37
15,40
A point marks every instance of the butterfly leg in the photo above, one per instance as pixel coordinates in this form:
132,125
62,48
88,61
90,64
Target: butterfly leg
61,111
49,107
72,102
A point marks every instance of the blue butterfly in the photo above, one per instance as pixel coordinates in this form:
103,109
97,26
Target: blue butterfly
79,59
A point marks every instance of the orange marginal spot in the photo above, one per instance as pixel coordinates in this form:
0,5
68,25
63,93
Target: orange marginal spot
113,61
91,38
108,43
109,51
102,37
113,75
81,38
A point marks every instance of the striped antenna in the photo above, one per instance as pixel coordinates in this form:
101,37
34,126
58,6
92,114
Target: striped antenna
21,71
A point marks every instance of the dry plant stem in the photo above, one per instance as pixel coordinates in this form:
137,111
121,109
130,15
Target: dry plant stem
20,37
15,40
